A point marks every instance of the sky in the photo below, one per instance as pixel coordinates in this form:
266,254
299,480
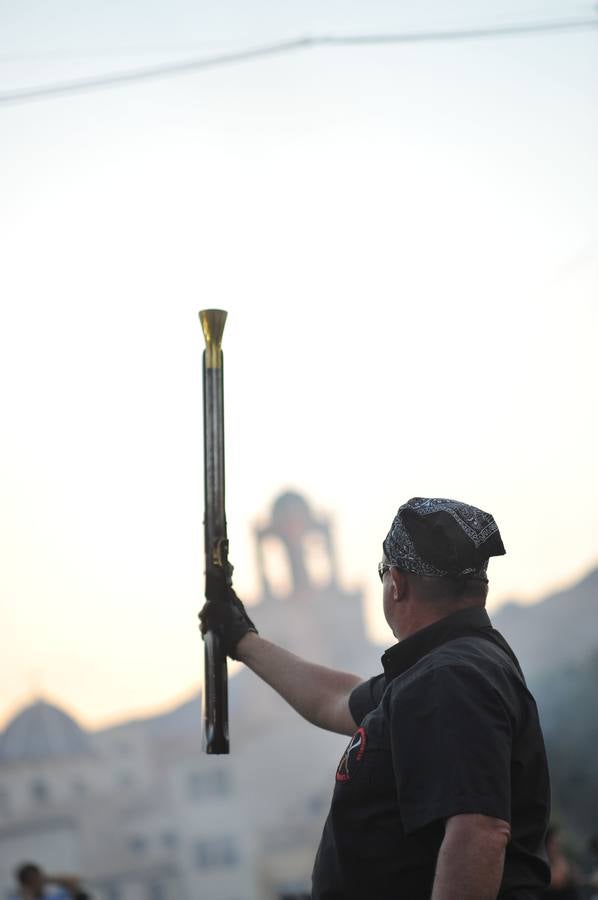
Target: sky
405,238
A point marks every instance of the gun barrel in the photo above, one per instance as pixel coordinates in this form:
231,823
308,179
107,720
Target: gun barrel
215,691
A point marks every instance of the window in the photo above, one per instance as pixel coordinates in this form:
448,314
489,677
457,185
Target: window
4,801
79,788
204,785
124,779
216,853
317,804
40,791
292,890
137,844
294,895
157,891
170,840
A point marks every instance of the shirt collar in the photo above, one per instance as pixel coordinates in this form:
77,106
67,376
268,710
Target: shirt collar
407,652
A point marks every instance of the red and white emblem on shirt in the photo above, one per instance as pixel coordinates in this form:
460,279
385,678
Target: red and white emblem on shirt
352,755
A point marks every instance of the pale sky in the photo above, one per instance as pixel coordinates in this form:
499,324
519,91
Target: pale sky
406,240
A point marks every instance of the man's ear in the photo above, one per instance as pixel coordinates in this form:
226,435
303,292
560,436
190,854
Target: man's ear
400,584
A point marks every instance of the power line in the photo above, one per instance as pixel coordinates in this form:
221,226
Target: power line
189,65
178,68
66,54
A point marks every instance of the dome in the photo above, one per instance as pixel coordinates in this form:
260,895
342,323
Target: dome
40,731
291,512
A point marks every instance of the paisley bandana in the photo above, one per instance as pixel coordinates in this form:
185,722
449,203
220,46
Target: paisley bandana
434,536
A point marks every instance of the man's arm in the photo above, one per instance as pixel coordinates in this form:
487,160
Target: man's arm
471,858
318,694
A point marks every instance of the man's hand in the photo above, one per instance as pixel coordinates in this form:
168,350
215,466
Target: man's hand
224,613
318,694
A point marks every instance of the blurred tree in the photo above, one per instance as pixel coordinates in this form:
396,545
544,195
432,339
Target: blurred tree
567,699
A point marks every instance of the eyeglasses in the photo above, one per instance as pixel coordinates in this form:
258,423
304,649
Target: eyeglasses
383,569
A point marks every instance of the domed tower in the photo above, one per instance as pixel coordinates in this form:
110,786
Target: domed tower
294,526
39,732
303,605
312,613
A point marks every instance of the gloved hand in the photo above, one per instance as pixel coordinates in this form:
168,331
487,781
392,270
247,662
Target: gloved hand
224,613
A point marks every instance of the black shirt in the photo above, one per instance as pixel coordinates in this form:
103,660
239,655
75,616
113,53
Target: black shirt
450,728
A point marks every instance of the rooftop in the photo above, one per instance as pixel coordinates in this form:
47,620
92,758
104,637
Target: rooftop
39,731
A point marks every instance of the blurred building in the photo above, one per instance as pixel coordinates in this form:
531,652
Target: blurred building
142,813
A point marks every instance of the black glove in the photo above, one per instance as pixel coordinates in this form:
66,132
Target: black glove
224,613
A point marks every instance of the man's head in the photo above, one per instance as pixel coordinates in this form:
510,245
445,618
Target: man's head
435,558
30,876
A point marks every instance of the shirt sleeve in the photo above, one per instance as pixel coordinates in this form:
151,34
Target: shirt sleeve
366,697
451,739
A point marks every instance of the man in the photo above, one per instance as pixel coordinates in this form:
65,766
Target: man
563,880
35,884
442,792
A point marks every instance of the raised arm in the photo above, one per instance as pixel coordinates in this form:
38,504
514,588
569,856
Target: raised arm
319,694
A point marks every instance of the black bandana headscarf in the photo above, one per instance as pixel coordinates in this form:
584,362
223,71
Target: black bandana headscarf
433,536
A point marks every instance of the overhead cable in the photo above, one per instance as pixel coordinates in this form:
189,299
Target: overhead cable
190,65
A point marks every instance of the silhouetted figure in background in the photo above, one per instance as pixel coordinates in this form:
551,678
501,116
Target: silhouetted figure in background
592,878
563,884
35,884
